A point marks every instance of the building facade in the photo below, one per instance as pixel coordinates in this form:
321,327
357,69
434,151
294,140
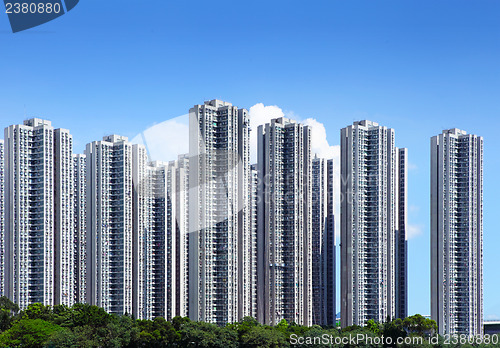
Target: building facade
372,261
218,210
141,233
323,243
284,223
165,240
251,255
2,218
80,207
181,193
65,237
401,234
457,232
109,224
39,235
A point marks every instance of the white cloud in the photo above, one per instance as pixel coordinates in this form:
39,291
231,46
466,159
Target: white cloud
166,140
319,143
412,166
259,115
414,208
491,317
413,231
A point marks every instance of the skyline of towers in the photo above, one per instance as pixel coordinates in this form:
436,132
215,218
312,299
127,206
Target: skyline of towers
141,218
284,233
370,217
457,232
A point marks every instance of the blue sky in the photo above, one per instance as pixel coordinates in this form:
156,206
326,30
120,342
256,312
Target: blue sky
416,66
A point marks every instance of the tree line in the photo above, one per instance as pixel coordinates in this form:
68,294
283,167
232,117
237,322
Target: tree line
84,325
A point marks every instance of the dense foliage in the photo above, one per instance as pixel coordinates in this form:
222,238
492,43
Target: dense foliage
90,326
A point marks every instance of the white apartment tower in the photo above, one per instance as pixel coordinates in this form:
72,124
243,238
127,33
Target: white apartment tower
39,234
457,232
163,255
141,233
284,223
373,210
323,242
65,237
401,235
80,207
181,193
109,224
2,218
251,250
218,210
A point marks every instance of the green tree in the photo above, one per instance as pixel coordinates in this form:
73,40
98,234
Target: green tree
65,338
155,333
244,326
373,326
264,337
419,325
38,311
199,334
282,327
8,310
298,330
28,333
118,332
314,337
178,322
394,329
351,328
85,314
62,316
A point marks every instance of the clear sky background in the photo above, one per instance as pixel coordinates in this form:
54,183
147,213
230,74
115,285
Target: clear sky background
416,66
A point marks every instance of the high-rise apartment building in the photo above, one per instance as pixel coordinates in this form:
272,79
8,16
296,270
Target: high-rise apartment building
284,223
109,224
401,234
80,208
323,242
218,210
251,250
2,215
457,232
164,259
373,210
39,235
181,193
142,241
65,237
